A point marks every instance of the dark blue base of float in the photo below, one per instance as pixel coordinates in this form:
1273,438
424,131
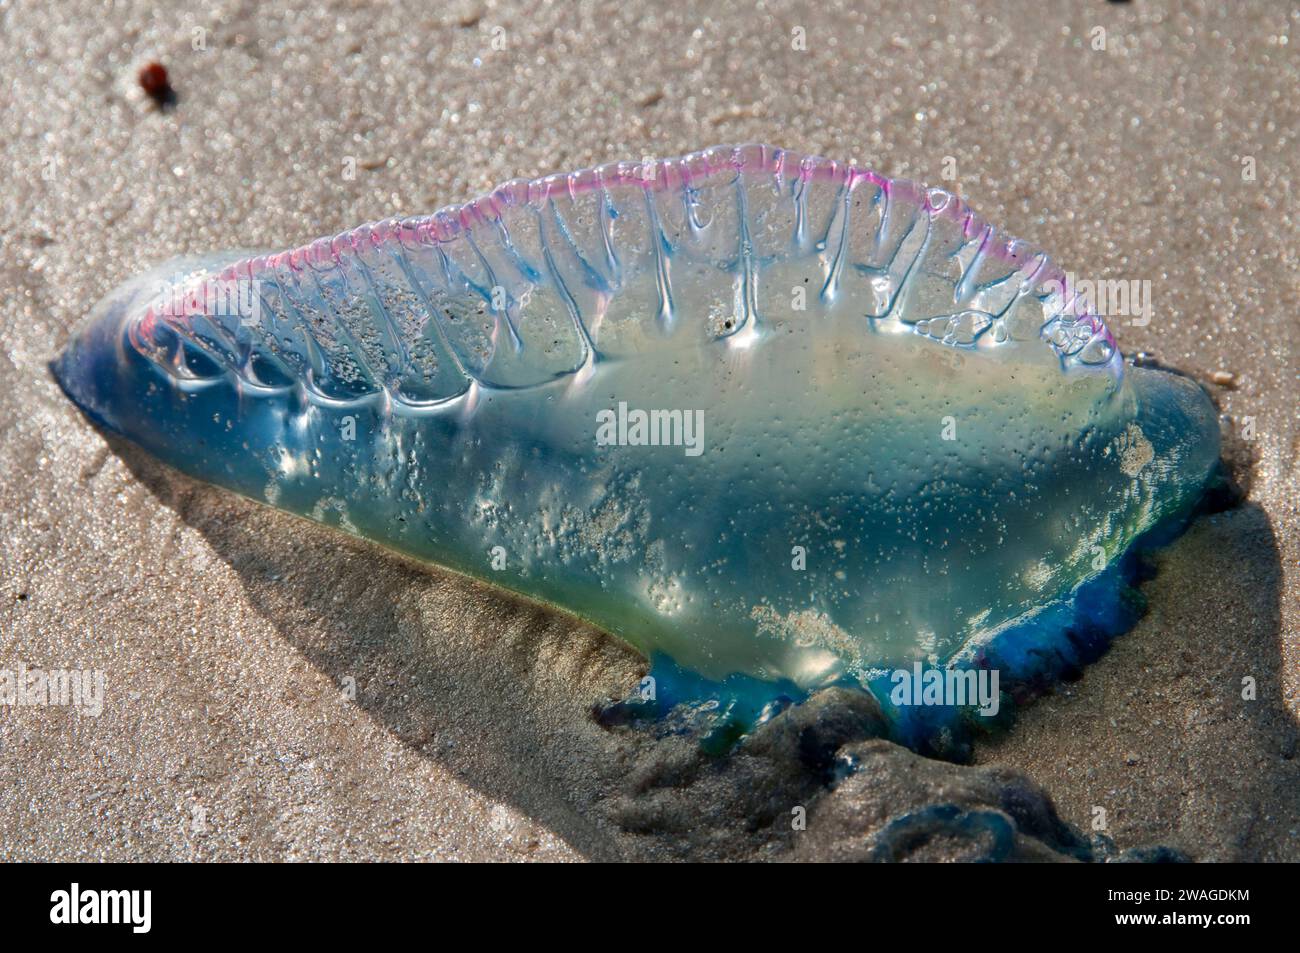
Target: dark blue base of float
1052,645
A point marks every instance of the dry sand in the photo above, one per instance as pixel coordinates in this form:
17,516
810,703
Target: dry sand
228,633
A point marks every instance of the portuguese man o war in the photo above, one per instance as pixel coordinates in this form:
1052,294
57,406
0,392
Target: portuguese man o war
776,421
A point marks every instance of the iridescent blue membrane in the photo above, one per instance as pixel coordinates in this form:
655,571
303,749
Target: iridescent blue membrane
890,434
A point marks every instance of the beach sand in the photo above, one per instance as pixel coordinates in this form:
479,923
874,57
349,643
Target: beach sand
275,690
